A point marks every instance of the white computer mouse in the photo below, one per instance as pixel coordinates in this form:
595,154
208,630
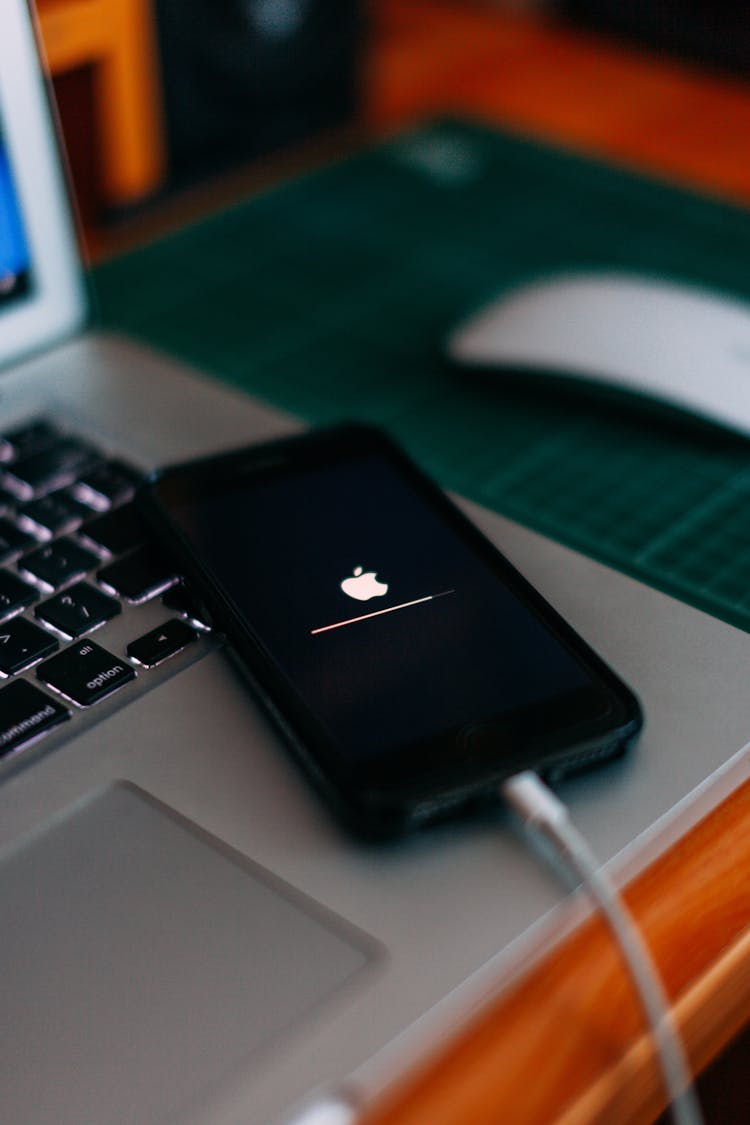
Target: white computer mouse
678,344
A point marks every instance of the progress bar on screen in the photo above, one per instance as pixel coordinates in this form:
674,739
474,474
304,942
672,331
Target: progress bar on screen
379,612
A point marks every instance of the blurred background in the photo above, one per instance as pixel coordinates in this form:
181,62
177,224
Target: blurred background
161,98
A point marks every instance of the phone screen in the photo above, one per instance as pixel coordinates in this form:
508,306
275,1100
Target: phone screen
389,624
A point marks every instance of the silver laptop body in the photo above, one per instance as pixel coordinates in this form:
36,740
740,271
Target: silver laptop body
187,936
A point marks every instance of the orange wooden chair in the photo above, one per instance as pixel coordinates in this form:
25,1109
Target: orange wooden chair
117,37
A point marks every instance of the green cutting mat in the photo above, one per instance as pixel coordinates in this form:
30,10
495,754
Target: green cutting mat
330,296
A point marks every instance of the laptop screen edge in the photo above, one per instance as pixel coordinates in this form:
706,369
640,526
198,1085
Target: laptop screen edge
56,304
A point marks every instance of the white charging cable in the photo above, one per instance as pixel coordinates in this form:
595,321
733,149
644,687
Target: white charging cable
543,813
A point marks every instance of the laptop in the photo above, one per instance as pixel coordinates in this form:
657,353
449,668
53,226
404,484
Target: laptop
187,935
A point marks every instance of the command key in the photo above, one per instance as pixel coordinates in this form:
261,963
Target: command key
25,714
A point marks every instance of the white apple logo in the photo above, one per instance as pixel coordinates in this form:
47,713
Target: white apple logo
364,586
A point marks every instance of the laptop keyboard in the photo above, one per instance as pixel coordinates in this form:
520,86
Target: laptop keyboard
75,557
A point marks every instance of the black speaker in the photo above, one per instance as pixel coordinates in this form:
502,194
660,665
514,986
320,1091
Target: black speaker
244,77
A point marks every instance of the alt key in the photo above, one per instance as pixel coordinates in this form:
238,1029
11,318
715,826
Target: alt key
85,672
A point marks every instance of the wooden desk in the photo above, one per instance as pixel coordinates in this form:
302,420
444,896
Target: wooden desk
566,1044
562,85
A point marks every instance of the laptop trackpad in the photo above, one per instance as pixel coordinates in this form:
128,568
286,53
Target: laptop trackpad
141,961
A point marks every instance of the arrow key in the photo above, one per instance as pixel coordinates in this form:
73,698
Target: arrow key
161,643
22,644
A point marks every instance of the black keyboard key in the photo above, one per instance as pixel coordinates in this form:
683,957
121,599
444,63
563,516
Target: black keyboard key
12,541
117,531
139,575
78,609
85,672
161,643
14,594
7,500
57,512
50,468
26,439
21,644
107,484
59,562
25,714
